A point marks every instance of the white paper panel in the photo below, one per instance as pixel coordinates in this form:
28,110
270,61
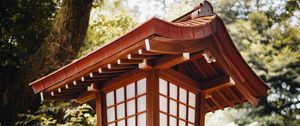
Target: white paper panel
130,107
173,108
110,98
142,119
182,123
120,95
182,95
121,111
141,103
111,114
163,120
141,86
121,123
163,86
130,90
173,121
173,91
163,104
192,99
182,111
131,121
191,115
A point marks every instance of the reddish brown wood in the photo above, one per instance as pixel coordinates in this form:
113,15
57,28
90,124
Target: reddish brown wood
128,61
185,81
230,71
207,71
227,101
216,84
202,112
99,106
122,80
152,106
164,62
176,47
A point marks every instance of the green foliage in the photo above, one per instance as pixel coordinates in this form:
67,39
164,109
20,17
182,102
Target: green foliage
108,20
23,26
59,113
19,20
81,115
267,34
270,43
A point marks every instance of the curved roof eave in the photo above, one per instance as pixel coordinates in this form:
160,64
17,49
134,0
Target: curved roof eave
154,26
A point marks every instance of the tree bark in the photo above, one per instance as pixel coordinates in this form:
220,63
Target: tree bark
60,48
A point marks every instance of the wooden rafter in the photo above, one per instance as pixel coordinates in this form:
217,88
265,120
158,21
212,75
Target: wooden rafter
216,103
172,74
119,66
176,47
140,57
145,52
224,98
47,97
165,62
216,84
206,87
226,65
89,94
129,61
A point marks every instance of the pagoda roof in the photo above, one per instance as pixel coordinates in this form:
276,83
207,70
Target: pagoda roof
196,45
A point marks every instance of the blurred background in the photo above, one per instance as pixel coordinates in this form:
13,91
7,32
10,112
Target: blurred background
266,32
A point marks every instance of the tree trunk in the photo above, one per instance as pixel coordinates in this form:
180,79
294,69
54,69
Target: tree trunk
60,48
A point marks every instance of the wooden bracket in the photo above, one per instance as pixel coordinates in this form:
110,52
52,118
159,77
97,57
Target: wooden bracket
164,62
209,57
90,94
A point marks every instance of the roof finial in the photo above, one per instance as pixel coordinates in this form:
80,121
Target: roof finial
203,9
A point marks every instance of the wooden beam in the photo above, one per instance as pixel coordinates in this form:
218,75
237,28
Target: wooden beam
208,107
164,62
102,75
90,94
227,101
99,106
146,65
128,61
202,109
233,95
175,47
170,60
106,70
118,66
216,84
85,97
64,90
152,99
93,88
145,52
47,97
236,76
93,79
217,104
139,57
186,81
123,79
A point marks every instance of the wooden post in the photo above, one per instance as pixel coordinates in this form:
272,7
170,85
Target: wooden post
99,108
152,98
202,111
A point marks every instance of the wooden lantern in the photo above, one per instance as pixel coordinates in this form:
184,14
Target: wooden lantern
159,74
